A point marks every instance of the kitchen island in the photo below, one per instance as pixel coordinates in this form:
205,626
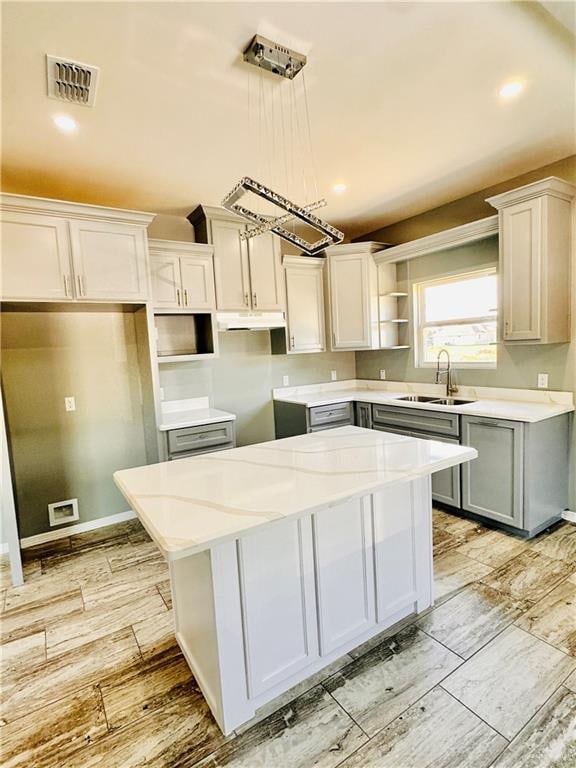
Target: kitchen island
285,555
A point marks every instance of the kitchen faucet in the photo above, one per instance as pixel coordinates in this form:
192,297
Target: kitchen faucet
450,388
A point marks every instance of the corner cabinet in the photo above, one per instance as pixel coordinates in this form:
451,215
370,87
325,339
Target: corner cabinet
58,251
304,286
182,275
535,224
247,272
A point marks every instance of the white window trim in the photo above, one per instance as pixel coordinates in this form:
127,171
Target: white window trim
418,299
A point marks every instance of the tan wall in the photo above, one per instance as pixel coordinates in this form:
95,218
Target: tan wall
58,455
517,366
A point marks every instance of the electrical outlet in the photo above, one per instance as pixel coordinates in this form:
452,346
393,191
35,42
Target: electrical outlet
285,381
333,375
542,381
382,374
70,403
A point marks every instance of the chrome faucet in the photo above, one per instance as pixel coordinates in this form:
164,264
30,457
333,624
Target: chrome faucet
447,371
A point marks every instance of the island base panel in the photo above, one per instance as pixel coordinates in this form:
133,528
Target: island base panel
257,615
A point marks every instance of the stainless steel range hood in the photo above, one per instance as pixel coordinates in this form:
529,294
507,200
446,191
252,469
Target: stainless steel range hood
249,321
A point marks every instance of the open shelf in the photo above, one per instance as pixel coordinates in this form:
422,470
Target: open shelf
184,337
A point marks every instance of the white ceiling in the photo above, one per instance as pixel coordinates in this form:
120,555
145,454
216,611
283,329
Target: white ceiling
403,99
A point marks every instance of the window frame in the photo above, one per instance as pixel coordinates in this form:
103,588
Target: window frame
418,303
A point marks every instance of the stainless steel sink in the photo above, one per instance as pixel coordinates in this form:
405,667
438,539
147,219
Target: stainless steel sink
418,399
452,401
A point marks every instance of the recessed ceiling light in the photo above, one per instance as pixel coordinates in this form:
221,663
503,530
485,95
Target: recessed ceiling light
65,123
339,188
511,89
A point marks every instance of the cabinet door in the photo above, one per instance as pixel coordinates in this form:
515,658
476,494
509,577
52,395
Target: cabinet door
165,274
492,483
109,261
197,282
230,265
363,415
305,309
344,573
35,257
278,605
265,273
350,301
521,252
402,559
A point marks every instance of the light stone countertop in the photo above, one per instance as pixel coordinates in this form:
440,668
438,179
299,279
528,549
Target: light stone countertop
524,405
192,412
192,504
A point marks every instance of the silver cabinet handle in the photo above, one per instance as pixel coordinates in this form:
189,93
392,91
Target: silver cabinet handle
79,284
186,296
66,288
178,296
292,344
255,300
247,299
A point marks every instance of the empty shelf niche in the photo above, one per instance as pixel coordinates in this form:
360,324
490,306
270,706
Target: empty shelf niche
184,337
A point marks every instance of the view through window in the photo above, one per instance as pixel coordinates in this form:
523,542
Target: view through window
459,314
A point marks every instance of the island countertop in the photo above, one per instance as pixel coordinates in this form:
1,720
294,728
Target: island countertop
192,504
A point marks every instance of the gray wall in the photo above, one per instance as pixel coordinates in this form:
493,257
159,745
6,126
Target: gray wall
240,380
58,455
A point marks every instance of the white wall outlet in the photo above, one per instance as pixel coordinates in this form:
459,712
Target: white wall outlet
542,381
383,373
333,375
285,381
70,403
63,512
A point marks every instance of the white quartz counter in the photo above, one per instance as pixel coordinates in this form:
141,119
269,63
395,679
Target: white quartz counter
189,505
498,403
192,412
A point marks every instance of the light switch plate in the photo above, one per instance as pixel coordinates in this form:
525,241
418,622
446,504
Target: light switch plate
285,381
542,381
333,375
70,403
383,373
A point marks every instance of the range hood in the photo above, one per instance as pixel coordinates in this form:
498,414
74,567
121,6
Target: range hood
250,321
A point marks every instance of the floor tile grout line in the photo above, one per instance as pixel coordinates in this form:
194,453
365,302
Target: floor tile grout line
474,713
343,708
137,643
451,650
550,645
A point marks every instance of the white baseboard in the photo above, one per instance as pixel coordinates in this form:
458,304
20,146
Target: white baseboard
89,525
569,515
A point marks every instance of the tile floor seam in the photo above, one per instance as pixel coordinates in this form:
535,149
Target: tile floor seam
137,643
464,659
554,647
475,714
343,708
527,600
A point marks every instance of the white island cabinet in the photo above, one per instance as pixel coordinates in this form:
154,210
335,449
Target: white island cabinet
288,554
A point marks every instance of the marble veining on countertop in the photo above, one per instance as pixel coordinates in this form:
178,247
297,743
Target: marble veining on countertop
192,412
525,405
192,504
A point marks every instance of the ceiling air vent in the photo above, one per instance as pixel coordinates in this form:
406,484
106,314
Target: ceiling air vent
71,81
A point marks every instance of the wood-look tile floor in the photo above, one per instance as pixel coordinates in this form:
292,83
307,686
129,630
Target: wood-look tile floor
91,675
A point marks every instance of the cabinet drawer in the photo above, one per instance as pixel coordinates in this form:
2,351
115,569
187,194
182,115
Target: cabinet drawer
330,414
205,436
411,418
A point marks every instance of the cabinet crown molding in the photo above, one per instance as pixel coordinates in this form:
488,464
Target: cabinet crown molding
212,212
178,247
368,246
313,262
51,207
440,241
551,185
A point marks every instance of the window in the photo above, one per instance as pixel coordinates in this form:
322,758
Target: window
457,313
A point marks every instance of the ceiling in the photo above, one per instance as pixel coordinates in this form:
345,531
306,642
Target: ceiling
403,100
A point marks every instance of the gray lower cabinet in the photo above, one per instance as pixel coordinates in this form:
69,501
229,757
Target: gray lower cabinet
492,484
205,438
293,419
363,415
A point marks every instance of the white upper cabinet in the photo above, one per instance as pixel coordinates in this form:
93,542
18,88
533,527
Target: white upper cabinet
109,261
35,257
353,296
182,276
247,272
58,251
535,223
305,304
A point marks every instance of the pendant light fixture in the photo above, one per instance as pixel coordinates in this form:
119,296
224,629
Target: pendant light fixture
284,154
